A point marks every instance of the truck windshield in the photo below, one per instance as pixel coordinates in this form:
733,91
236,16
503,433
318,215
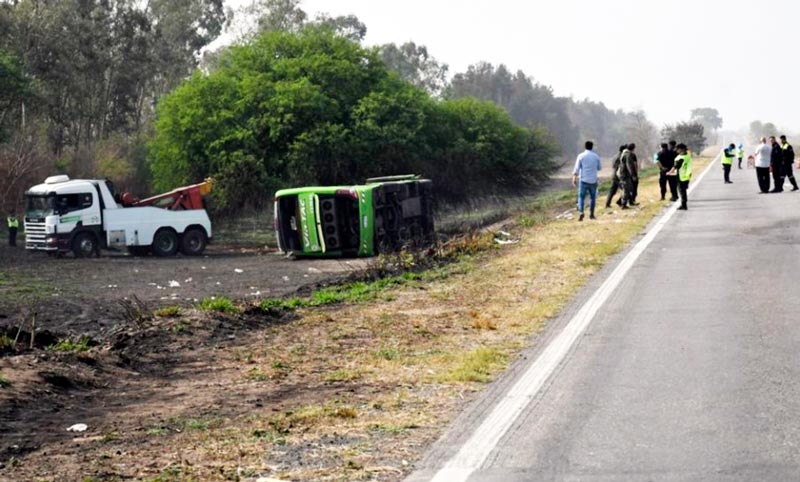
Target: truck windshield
39,206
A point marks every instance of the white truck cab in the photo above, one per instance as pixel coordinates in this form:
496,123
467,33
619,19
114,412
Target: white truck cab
83,216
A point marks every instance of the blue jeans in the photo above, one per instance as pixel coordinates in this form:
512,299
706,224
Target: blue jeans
583,188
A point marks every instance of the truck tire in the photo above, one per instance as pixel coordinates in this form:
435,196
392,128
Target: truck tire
84,245
193,242
165,243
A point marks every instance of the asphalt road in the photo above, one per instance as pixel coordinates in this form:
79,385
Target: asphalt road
689,371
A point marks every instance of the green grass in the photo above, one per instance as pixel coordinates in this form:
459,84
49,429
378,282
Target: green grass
477,366
219,304
6,342
4,382
356,292
69,346
168,312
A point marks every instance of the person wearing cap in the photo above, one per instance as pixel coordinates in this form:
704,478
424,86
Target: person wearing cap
13,226
727,161
761,160
584,177
740,154
788,159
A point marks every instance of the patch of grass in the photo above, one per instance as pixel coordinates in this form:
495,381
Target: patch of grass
4,382
269,435
257,375
172,311
477,366
157,431
343,375
220,304
388,353
70,346
180,327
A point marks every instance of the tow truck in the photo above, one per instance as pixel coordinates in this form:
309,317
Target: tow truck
383,215
85,215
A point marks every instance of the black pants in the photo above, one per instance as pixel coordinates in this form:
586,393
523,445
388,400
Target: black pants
788,173
683,188
726,168
12,236
672,182
762,174
634,191
616,185
740,163
777,177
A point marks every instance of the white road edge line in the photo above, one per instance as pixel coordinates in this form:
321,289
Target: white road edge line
485,438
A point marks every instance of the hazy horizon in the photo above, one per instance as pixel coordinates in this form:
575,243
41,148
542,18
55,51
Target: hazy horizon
627,54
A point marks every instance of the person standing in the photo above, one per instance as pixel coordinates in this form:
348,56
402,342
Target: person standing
584,176
616,182
762,157
727,161
683,166
740,154
788,161
631,164
13,226
776,164
666,161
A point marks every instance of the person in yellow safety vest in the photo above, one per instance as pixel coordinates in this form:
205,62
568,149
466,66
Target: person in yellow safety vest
740,154
13,226
727,161
683,165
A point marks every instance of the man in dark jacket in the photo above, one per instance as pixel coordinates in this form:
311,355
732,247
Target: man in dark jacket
776,164
666,161
616,182
788,161
631,164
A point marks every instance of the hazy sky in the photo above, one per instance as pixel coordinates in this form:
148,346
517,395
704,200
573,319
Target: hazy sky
665,57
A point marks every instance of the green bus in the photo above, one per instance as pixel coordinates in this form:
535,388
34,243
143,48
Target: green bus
383,215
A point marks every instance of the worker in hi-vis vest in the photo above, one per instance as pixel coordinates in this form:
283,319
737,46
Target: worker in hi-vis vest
683,166
727,161
740,154
13,226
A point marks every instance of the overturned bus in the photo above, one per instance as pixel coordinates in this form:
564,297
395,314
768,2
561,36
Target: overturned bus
383,215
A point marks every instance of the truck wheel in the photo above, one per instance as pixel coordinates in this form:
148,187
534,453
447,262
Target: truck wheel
84,245
165,243
193,242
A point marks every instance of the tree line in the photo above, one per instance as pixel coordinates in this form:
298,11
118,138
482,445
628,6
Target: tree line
127,90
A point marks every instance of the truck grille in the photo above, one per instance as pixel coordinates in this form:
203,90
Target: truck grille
35,236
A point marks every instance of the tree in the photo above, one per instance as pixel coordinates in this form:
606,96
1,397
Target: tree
14,90
314,107
415,65
689,133
708,117
529,103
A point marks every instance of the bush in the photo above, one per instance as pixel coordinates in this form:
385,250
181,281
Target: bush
219,304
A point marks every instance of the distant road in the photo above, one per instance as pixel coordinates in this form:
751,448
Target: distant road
689,370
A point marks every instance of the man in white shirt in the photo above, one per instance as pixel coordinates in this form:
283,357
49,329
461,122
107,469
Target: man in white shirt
584,177
762,158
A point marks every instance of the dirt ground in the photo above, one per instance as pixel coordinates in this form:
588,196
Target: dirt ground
77,297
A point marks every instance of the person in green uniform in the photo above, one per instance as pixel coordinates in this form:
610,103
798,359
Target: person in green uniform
13,226
683,166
